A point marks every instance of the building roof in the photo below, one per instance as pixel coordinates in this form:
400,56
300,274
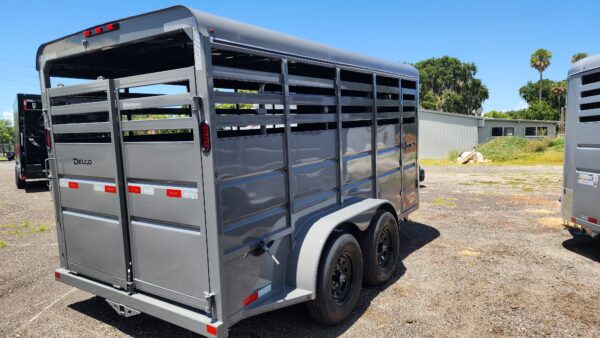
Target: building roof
488,118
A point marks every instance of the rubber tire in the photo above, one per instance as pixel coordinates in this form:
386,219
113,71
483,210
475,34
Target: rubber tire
373,274
324,309
19,182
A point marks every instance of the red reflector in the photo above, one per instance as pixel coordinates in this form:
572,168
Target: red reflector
593,220
205,139
87,33
25,104
56,275
73,185
211,329
251,298
134,189
111,189
98,30
112,26
22,177
48,140
174,193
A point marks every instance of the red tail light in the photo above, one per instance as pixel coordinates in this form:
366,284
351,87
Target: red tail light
87,33
112,26
48,140
205,133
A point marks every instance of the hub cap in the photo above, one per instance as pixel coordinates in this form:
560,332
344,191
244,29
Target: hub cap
341,278
383,248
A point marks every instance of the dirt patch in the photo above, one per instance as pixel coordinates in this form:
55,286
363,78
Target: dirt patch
471,266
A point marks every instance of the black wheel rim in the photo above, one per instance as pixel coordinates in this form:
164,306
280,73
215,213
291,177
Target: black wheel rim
341,278
384,248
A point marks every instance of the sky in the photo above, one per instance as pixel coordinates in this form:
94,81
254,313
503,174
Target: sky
498,36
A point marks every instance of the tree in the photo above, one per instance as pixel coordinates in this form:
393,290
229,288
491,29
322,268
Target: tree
578,56
450,85
7,132
530,92
559,90
537,111
495,114
540,60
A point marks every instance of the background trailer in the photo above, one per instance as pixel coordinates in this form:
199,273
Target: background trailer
581,193
205,170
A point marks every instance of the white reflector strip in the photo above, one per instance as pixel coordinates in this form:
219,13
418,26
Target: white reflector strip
264,291
75,184
151,190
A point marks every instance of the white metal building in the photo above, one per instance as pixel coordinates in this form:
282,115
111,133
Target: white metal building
441,132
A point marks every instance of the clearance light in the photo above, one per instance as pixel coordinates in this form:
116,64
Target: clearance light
205,136
593,220
134,189
211,329
113,26
73,185
56,275
110,189
48,140
175,193
253,297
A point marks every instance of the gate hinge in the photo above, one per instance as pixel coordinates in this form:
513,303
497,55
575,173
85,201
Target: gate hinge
209,298
196,103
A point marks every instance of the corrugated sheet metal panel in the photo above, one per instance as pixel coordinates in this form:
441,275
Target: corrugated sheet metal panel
441,133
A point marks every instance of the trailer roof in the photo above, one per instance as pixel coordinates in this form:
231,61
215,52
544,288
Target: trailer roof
227,30
590,62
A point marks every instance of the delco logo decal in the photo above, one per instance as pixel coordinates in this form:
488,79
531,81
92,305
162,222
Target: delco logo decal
78,161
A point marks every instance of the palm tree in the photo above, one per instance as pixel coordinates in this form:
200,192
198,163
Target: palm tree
559,89
540,60
579,56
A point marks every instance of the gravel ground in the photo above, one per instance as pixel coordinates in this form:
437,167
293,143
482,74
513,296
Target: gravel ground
486,254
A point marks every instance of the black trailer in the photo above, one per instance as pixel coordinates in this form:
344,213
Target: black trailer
30,139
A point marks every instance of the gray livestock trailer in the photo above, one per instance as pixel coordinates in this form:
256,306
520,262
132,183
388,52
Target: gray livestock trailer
205,170
580,200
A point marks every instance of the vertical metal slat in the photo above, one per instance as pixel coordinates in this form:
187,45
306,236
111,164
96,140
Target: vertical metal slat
374,138
116,135
339,134
288,138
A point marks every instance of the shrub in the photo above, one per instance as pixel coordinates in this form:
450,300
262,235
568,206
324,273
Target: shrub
453,155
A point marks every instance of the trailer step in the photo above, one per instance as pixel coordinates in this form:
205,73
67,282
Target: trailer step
122,310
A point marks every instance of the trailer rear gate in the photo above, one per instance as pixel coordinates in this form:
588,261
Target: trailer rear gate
582,149
144,208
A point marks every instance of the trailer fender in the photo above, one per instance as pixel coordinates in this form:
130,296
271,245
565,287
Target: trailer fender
310,249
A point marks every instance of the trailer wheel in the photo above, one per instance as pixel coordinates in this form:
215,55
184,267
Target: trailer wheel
19,182
381,248
339,280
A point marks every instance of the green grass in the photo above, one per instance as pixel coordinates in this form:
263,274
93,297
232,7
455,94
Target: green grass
514,151
22,228
2,158
444,202
3,244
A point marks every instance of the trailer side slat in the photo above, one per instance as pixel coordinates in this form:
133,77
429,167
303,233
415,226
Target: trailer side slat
296,80
246,120
228,73
363,87
155,101
163,124
246,98
164,77
85,88
97,127
80,108
307,99
388,89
